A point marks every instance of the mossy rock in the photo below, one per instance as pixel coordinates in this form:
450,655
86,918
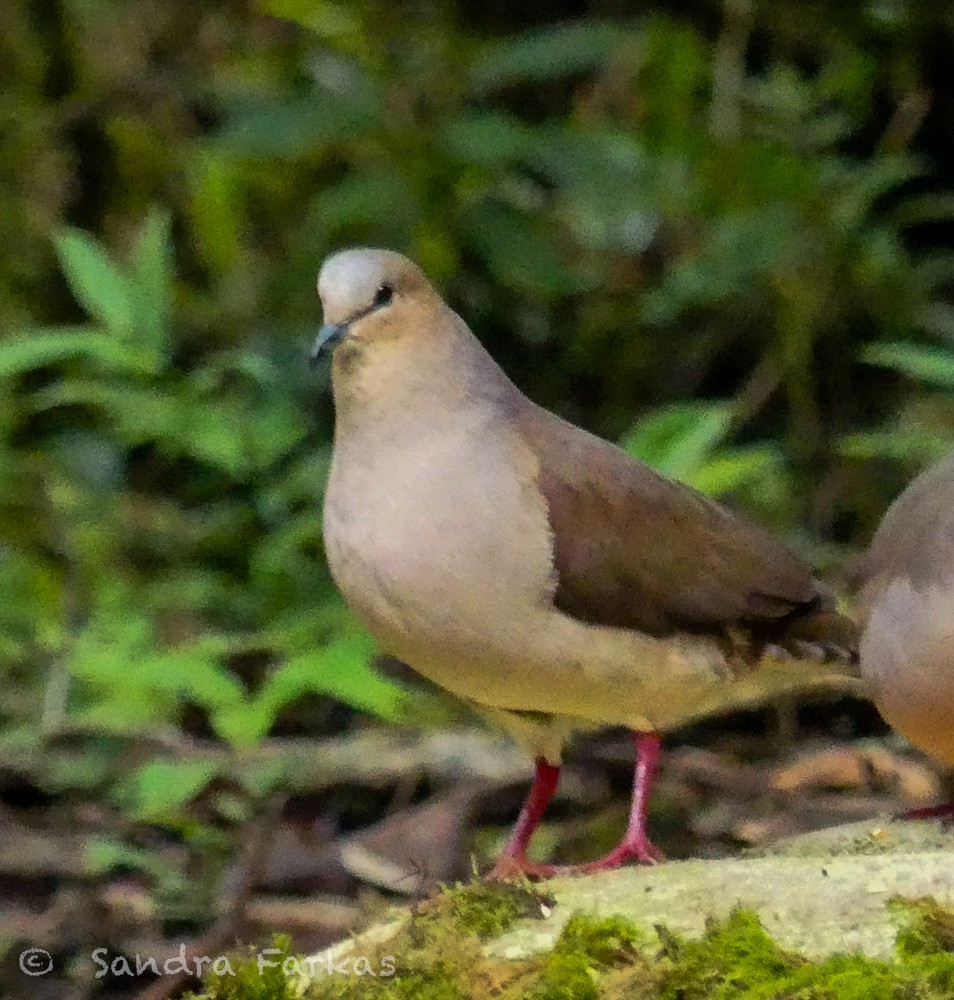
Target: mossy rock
820,893
857,912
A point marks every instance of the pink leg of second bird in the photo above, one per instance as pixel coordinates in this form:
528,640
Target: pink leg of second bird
636,845
944,811
513,862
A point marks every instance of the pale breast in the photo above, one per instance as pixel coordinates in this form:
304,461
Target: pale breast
907,656
421,534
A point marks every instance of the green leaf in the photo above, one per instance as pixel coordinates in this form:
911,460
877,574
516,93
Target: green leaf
214,432
677,439
341,669
243,725
103,854
734,469
140,414
919,209
259,777
214,209
379,201
547,53
39,347
323,17
159,791
125,709
686,441
296,128
99,286
928,365
487,138
520,251
677,71
853,203
152,281
192,673
919,444
83,766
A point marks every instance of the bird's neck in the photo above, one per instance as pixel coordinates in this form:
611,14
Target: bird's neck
388,388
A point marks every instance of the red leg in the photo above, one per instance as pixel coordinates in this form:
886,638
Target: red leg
944,811
636,845
513,862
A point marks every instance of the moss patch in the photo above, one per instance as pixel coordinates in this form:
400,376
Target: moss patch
438,955
586,950
250,981
486,910
926,927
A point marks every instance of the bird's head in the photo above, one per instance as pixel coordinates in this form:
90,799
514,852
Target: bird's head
367,296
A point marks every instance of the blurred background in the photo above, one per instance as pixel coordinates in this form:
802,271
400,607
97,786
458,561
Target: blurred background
718,233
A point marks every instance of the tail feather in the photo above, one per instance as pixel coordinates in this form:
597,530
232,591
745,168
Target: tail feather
816,631
826,629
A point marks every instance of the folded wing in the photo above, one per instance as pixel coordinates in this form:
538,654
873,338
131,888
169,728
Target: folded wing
637,550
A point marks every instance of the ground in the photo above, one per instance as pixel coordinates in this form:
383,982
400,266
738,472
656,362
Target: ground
862,910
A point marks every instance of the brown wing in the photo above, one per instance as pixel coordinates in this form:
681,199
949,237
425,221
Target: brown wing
637,550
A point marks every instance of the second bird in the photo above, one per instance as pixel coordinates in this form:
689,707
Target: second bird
534,570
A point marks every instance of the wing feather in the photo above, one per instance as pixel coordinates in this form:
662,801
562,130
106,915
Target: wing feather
637,550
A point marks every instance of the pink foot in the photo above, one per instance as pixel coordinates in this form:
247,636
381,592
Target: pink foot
513,863
636,845
643,852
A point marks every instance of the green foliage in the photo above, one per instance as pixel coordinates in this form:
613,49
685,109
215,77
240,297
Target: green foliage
223,419
606,194
690,441
920,432
548,53
776,247
159,790
174,530
932,366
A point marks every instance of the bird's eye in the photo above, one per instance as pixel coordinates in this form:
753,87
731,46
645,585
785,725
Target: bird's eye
383,296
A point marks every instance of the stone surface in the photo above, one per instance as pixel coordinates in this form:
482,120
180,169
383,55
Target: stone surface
819,893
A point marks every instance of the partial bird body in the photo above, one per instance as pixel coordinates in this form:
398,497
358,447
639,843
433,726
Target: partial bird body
907,610
523,564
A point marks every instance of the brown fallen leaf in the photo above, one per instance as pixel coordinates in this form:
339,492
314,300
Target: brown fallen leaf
839,767
861,768
418,848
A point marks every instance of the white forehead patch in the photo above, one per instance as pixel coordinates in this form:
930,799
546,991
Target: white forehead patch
349,275
349,280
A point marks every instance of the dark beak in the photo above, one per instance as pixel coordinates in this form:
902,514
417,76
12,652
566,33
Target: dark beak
328,336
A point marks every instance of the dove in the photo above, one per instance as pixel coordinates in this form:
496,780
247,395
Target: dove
906,611
531,568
